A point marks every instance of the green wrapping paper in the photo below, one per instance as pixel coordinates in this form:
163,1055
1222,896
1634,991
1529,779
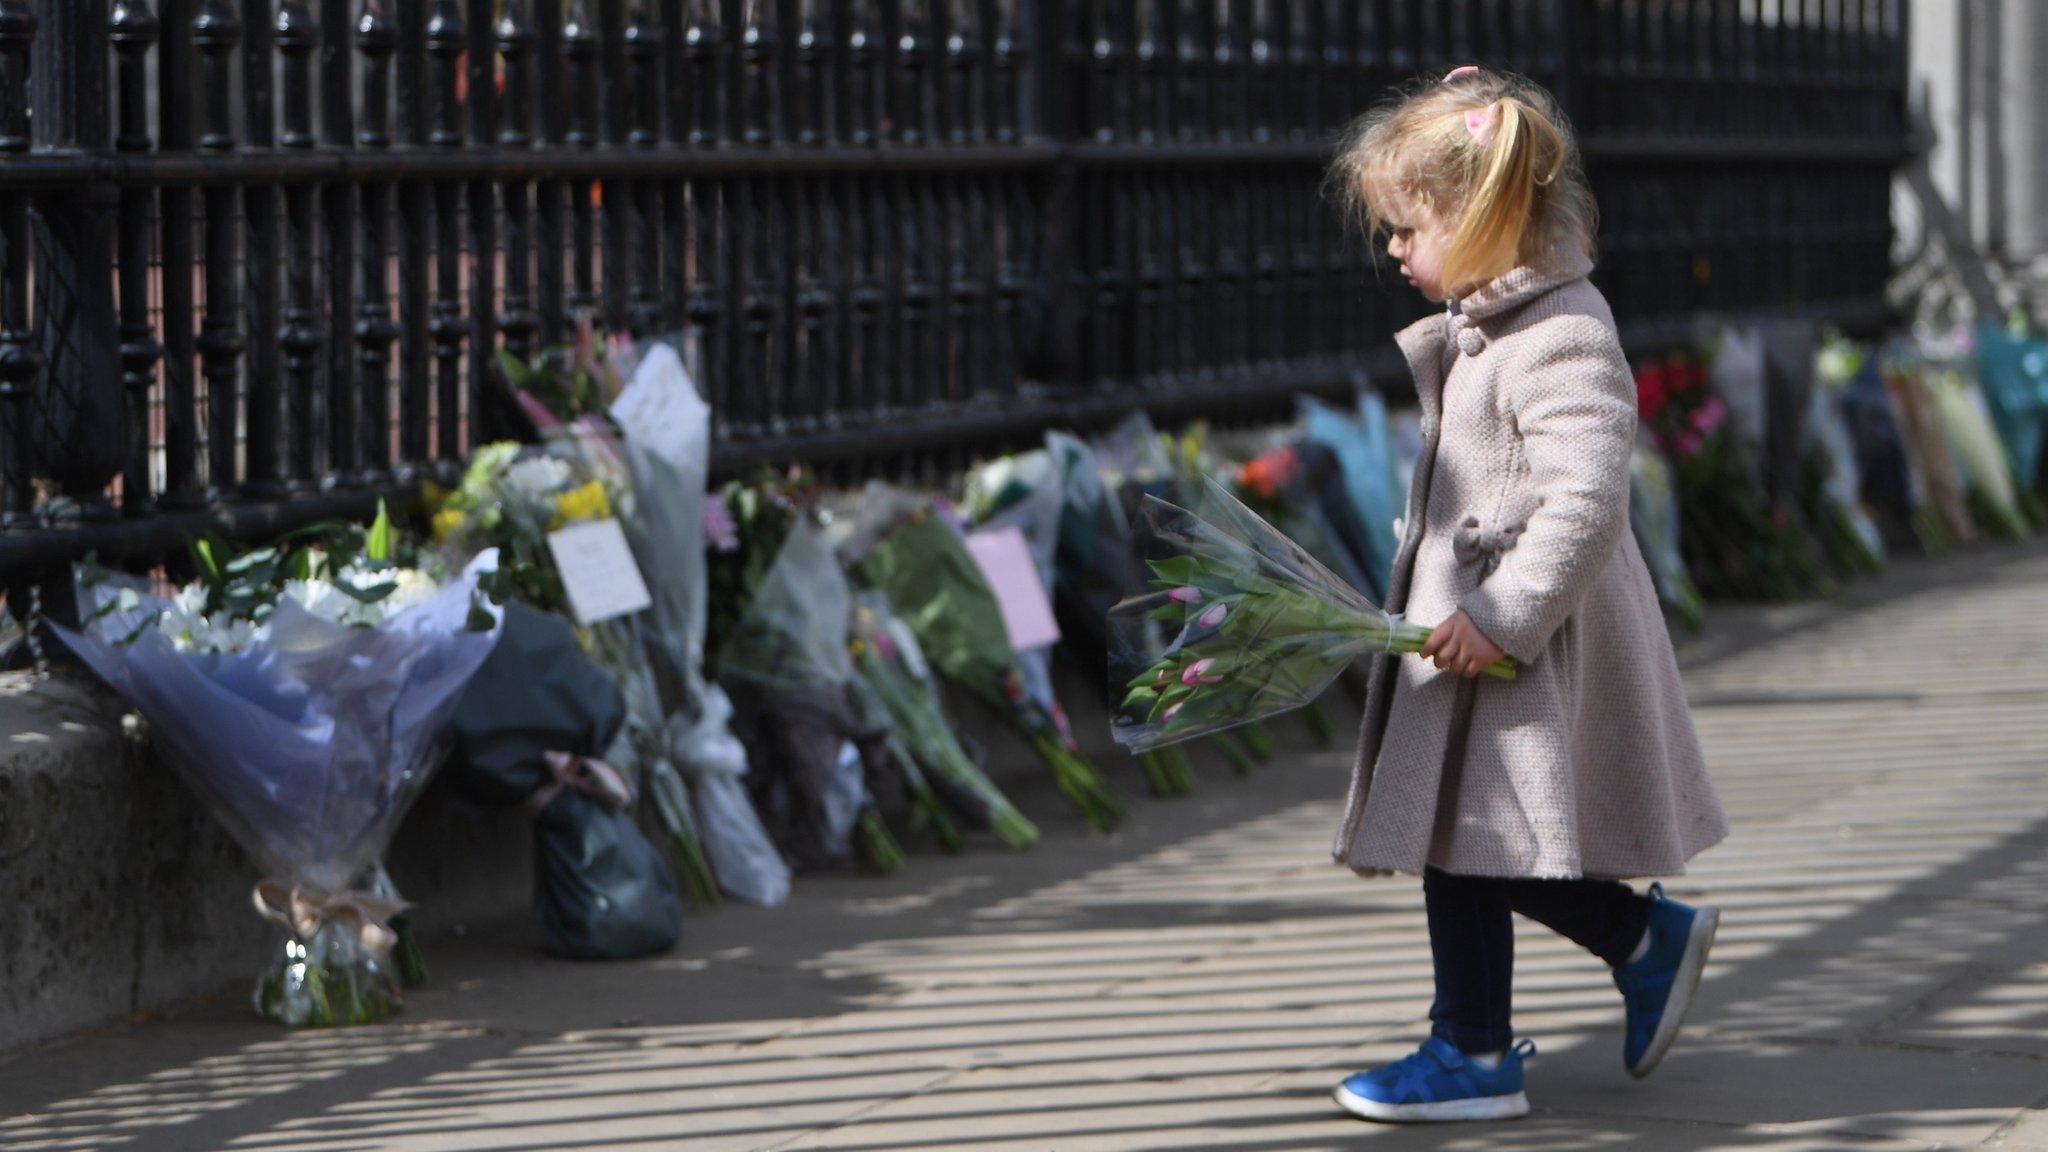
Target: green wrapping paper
931,580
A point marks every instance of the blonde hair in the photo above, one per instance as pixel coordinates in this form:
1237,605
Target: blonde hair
1487,152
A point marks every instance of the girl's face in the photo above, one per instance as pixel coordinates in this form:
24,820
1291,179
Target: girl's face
1417,241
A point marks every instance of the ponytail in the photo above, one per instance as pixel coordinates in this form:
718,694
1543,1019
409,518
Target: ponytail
1520,159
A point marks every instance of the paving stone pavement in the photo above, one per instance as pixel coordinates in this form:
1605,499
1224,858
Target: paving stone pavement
1201,979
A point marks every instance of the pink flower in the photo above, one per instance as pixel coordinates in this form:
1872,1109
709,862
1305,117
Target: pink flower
1164,675
1188,595
1197,673
1213,616
1686,444
1709,415
1168,714
720,531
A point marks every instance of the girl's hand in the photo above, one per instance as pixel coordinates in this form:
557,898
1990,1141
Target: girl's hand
1459,646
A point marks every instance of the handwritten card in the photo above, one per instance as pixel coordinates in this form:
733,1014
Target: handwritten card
598,571
660,408
1005,562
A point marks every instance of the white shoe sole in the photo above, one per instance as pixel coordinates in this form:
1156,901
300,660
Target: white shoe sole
1477,1108
1690,967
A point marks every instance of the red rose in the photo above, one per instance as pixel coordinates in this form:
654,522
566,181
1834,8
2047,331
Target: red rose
1653,390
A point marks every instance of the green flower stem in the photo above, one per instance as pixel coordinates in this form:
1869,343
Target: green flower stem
916,716
1167,772
671,805
1318,726
1080,784
935,818
406,955
1258,740
878,849
1251,646
1233,749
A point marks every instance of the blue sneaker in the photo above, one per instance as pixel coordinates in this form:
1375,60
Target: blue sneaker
1658,988
1438,1083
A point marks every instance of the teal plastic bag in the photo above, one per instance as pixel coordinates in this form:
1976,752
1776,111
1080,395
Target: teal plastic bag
2015,375
1365,458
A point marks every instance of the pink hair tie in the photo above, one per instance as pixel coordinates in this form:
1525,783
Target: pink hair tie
1461,70
1481,123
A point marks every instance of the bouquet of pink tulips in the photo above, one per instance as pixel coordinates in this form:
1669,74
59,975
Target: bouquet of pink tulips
1244,625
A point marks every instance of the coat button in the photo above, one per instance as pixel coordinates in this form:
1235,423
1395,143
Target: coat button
1471,341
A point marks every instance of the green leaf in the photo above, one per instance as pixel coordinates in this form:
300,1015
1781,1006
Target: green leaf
378,547
368,595
1176,571
1169,611
480,618
1140,696
209,570
517,372
249,561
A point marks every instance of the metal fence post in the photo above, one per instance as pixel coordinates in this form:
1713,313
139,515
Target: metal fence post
80,397
1051,354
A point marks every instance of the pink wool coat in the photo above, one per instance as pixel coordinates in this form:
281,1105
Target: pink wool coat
1586,764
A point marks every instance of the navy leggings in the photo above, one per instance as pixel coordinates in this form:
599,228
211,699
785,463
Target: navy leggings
1472,940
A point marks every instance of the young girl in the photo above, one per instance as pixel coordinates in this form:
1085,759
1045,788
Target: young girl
1535,795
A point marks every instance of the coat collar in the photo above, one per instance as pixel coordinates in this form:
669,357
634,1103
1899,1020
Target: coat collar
1524,283
1429,343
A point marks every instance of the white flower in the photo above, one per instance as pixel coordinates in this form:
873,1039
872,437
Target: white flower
321,599
534,479
330,601
184,621
230,634
409,587
190,629
414,588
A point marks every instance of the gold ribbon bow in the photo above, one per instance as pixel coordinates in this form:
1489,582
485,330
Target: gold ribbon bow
304,910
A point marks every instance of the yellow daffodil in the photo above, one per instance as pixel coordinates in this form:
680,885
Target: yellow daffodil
584,502
447,522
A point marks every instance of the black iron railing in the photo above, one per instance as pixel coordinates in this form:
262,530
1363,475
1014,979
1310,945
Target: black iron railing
256,257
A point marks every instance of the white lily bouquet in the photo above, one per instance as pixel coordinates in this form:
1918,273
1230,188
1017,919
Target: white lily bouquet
301,689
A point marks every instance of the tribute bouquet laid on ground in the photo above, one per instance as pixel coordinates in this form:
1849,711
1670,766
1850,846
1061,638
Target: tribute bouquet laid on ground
1831,481
302,690
786,662
908,552
554,513
2012,365
1653,514
1025,492
666,431
1981,462
531,730
1365,466
1941,512
1736,545
1245,624
892,676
